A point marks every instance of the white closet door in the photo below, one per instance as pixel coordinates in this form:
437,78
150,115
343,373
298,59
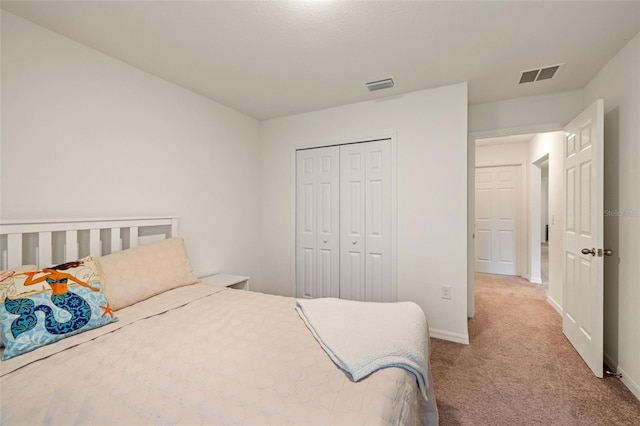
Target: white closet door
352,222
317,222
365,222
378,222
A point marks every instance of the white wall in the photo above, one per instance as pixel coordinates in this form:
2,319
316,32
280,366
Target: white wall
502,154
619,84
84,135
550,144
532,114
513,154
431,133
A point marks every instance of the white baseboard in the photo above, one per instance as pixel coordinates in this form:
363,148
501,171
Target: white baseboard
629,383
633,386
554,304
535,280
610,362
447,335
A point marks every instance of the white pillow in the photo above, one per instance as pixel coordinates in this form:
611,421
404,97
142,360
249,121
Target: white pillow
136,274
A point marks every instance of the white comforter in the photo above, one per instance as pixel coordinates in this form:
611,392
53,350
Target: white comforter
201,355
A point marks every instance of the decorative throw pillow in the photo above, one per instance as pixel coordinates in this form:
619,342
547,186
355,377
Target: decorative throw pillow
7,285
43,306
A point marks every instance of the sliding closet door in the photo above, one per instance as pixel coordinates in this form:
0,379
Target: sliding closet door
366,222
317,222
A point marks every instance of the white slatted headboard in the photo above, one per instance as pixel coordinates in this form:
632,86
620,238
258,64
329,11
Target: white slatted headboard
48,242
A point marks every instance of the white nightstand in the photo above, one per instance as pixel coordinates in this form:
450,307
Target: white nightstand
239,282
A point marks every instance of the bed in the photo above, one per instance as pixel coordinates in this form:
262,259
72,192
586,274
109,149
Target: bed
171,349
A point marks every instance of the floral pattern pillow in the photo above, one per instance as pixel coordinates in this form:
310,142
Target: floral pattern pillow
39,307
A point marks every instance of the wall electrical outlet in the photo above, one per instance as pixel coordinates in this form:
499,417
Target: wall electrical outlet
446,292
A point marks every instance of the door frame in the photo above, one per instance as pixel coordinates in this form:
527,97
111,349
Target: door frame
535,209
394,201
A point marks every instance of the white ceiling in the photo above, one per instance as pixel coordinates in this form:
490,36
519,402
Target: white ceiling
275,58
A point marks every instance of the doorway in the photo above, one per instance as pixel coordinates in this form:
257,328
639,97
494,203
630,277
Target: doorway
540,157
539,212
544,223
581,214
500,182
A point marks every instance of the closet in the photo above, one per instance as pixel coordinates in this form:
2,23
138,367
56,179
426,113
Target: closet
344,223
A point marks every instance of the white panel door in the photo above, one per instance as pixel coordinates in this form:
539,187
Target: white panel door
582,320
378,202
497,194
317,222
366,222
352,221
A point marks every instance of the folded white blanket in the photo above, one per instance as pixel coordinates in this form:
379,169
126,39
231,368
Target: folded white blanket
362,337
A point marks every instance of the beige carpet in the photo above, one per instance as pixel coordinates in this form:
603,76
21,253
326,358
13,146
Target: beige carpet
520,369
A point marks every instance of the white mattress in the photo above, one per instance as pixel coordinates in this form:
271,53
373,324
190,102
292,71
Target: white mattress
202,355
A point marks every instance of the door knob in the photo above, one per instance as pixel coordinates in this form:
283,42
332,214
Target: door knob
325,241
607,252
592,252
354,242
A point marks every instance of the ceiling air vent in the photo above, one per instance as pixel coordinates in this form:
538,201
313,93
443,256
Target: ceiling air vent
379,84
538,74
547,73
